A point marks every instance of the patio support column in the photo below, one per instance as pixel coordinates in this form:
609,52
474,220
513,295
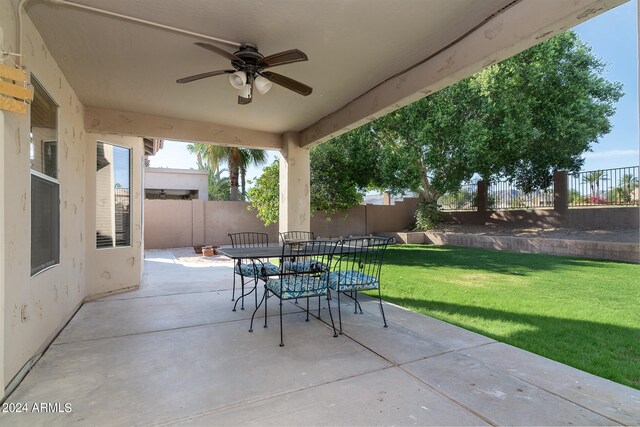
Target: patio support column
294,185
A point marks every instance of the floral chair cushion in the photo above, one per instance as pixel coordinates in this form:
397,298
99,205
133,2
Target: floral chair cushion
297,287
250,269
352,280
304,266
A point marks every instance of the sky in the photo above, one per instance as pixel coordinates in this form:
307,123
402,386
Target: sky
613,37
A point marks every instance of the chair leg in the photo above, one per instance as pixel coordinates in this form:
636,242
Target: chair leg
330,314
384,319
242,295
233,293
355,302
255,288
319,303
266,299
281,334
256,310
307,309
339,312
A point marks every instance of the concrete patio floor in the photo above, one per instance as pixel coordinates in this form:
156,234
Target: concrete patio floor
173,352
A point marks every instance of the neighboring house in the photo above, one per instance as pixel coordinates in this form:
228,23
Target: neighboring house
176,184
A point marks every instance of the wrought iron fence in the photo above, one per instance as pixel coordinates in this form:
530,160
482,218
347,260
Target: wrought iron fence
504,195
618,187
465,199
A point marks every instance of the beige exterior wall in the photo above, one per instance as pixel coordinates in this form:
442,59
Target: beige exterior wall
180,223
35,308
177,179
601,217
2,257
113,269
168,223
222,218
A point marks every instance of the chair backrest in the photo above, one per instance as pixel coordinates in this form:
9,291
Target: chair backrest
362,254
297,236
313,255
249,239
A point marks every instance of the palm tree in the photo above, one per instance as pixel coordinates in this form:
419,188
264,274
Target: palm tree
593,179
628,183
198,150
236,159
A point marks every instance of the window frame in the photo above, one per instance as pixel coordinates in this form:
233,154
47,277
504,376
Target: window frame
48,178
130,151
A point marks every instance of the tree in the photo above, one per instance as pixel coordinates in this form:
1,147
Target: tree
625,191
218,185
264,196
521,119
593,179
330,192
211,157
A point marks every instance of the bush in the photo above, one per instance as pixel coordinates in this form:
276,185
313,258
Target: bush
427,215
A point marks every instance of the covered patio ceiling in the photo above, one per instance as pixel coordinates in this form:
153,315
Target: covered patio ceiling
366,57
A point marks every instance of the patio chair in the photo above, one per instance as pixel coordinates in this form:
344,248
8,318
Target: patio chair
307,283
357,268
293,237
249,270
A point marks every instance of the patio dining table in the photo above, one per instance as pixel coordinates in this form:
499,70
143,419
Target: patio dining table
238,254
261,252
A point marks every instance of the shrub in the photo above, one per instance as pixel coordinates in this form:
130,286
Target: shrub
427,215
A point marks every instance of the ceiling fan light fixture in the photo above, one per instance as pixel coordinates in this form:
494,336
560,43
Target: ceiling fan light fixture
238,79
262,85
245,91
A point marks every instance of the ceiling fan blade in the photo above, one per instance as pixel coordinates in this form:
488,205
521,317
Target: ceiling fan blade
287,82
286,57
204,76
243,101
230,56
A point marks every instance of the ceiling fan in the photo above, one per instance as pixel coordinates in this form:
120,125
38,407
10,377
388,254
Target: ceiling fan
250,71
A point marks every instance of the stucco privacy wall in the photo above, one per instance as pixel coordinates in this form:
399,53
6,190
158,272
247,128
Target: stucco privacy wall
221,218
182,223
588,217
35,308
114,269
169,224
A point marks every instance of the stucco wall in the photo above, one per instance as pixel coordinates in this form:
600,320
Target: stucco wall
175,223
589,217
113,269
168,223
48,299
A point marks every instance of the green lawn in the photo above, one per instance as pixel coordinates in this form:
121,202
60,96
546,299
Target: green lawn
580,312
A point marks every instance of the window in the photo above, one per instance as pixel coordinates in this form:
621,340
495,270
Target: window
45,188
113,200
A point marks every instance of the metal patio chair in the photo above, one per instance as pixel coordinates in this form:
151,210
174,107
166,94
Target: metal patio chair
312,281
248,271
357,268
293,237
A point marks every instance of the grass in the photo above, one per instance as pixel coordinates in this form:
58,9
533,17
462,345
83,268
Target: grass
584,313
